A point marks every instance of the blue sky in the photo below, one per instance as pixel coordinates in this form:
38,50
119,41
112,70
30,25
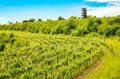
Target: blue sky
18,10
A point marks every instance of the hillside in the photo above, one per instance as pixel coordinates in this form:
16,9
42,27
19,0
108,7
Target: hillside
27,55
108,67
72,48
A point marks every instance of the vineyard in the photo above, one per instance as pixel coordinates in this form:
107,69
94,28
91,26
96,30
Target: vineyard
59,39
26,55
65,48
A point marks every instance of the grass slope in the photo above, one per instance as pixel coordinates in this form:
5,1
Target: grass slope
110,68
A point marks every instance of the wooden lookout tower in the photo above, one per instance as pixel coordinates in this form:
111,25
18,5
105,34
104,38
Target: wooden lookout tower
84,13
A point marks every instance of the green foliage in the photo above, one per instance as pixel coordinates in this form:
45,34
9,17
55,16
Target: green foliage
39,20
78,32
4,39
70,25
31,20
93,24
110,67
2,46
59,28
24,21
106,26
118,32
25,55
111,30
36,56
60,18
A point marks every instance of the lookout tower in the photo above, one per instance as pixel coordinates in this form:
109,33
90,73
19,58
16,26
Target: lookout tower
84,13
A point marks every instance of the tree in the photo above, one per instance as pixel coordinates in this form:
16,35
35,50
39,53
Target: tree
39,20
24,21
60,18
31,20
10,22
110,30
59,28
92,24
71,24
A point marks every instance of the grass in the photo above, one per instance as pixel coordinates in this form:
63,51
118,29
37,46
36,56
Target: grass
110,68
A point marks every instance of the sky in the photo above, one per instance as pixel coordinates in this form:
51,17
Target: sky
18,10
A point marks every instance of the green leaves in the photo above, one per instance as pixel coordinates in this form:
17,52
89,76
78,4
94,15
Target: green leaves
74,26
5,39
39,56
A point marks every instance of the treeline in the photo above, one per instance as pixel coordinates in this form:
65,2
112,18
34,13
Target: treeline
107,26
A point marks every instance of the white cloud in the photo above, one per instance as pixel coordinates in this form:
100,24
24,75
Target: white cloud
1,18
115,3
110,2
103,0
112,9
109,10
104,11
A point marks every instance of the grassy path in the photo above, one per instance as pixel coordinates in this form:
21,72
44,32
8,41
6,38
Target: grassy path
110,68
